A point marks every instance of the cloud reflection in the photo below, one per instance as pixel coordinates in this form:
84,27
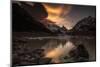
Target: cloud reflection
60,51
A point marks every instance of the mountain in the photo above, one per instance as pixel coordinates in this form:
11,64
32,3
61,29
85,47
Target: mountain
86,26
32,18
22,21
27,18
53,27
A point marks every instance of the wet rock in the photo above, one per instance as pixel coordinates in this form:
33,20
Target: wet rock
42,61
37,53
22,57
80,54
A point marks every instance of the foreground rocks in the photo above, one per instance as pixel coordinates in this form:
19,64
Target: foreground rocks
22,57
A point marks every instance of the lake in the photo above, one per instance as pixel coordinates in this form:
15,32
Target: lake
61,49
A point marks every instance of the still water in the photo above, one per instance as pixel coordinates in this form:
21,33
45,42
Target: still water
65,48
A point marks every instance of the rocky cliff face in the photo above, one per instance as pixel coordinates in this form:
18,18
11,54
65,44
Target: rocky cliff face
23,21
86,26
26,18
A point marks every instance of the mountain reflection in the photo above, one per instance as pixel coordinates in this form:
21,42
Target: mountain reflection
48,50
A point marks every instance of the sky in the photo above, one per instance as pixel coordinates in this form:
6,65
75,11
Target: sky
79,11
66,15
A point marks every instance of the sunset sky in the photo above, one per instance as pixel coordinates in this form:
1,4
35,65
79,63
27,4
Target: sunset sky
66,15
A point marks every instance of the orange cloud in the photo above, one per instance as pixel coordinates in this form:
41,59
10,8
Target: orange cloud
57,13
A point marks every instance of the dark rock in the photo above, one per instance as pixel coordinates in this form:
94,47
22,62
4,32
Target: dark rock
37,53
22,21
27,18
42,61
37,11
86,26
80,54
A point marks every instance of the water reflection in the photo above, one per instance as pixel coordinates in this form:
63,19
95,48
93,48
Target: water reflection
68,49
60,51
47,50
